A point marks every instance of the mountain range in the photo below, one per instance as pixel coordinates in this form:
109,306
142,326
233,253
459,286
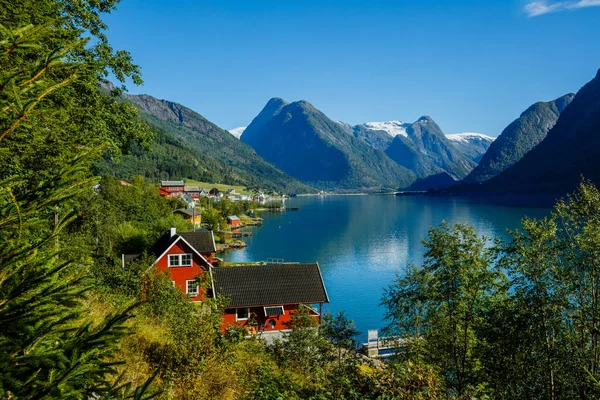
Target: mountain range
307,145
522,135
570,151
187,145
341,155
294,147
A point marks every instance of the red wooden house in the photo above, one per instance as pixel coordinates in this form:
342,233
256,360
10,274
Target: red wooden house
234,221
186,257
171,188
260,297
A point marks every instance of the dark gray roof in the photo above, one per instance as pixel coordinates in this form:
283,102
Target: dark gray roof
187,211
202,240
271,284
172,183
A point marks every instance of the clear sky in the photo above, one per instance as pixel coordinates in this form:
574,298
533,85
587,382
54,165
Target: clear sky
472,65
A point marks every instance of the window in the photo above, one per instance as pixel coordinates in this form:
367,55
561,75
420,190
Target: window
272,324
191,287
274,311
186,259
242,314
180,260
173,282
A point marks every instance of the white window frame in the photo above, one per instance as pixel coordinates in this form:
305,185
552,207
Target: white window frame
242,319
180,259
173,282
187,287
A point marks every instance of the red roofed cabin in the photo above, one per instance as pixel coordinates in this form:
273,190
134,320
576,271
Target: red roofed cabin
171,188
185,256
262,297
234,221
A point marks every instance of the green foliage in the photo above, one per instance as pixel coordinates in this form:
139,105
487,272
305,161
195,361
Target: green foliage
514,321
121,219
52,110
443,303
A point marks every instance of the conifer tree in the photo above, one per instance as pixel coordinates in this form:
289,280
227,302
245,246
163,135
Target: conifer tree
48,349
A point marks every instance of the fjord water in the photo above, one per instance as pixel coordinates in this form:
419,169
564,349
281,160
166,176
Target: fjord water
361,242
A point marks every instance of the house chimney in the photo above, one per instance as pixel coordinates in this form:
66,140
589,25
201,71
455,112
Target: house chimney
173,231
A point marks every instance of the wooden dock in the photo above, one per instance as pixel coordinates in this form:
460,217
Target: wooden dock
237,235
375,344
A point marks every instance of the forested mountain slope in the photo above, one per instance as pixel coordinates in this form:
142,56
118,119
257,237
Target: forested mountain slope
522,135
190,146
570,150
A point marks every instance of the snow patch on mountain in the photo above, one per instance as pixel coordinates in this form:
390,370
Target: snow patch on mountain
237,132
393,128
466,137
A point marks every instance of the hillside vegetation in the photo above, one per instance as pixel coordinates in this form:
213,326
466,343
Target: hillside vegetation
189,146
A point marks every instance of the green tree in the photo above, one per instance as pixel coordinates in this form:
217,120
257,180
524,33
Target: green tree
444,301
61,114
341,332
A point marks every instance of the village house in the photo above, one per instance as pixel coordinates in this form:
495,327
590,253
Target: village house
263,297
190,214
171,188
193,191
234,221
260,297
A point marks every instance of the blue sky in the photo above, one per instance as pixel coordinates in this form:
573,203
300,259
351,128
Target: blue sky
471,65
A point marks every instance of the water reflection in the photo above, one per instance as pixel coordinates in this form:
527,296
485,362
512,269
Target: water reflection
361,241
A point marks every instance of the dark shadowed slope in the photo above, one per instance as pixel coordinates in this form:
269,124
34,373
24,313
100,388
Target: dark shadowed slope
425,150
518,138
570,150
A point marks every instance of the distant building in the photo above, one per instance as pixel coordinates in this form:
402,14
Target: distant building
192,191
190,214
171,188
233,221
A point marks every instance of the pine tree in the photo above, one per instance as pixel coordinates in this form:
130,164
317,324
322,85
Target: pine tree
48,349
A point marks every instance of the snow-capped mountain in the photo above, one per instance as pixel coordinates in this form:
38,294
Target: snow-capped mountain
469,137
472,145
237,132
392,128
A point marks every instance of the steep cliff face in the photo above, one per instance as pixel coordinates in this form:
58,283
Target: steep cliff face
570,150
425,150
522,135
306,144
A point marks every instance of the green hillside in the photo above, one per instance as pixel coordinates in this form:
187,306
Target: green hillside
188,146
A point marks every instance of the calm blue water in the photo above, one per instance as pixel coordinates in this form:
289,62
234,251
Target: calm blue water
361,241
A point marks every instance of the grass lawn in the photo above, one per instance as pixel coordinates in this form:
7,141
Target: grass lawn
222,188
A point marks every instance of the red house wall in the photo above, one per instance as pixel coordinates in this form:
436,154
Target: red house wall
228,318
181,274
